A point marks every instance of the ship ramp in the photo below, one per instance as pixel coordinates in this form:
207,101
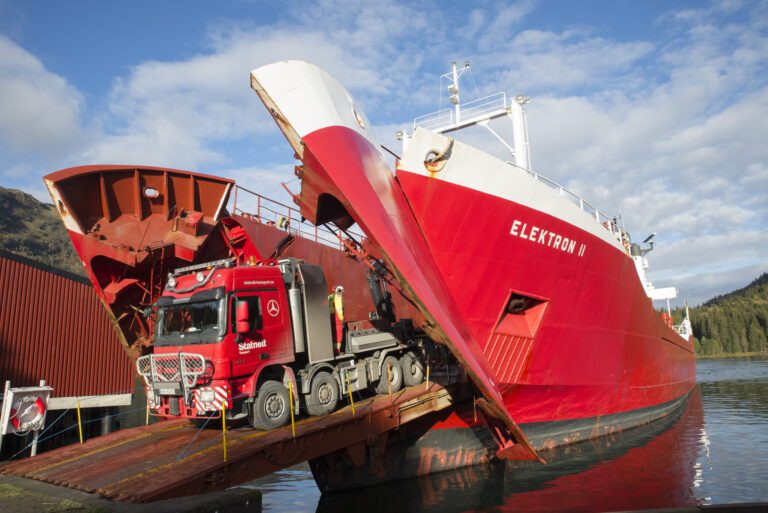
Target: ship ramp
175,458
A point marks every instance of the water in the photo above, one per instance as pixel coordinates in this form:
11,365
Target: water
714,451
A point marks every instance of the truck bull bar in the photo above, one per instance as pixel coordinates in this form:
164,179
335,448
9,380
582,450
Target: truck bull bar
171,374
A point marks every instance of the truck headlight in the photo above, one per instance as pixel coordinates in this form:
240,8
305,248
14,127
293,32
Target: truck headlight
206,396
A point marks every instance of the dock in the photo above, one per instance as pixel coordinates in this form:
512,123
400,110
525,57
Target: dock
175,458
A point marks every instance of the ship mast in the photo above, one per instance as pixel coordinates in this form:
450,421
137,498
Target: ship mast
478,112
454,88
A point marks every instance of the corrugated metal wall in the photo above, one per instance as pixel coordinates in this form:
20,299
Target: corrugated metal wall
53,327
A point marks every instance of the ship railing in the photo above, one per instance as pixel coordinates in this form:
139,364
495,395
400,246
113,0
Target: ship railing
607,222
478,109
268,211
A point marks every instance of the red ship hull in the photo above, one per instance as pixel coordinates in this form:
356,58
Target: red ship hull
600,348
658,459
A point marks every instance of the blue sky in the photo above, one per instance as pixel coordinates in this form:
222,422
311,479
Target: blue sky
655,109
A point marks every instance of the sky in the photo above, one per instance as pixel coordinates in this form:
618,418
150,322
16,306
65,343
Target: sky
653,109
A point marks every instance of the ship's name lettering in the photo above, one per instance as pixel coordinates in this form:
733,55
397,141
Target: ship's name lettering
547,238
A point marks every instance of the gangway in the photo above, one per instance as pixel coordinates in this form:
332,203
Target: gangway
175,458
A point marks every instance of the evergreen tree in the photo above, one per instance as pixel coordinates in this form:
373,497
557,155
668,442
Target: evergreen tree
736,322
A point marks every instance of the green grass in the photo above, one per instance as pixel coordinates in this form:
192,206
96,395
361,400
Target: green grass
9,491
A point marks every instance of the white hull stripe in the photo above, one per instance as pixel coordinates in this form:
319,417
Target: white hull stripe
474,169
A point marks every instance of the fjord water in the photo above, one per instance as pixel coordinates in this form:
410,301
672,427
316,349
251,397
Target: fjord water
714,450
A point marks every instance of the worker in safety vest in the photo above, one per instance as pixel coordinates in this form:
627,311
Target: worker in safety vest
336,306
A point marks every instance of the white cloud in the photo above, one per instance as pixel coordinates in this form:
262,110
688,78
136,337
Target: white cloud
179,111
504,19
39,111
698,268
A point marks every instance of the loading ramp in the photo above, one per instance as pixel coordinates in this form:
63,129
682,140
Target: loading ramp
174,458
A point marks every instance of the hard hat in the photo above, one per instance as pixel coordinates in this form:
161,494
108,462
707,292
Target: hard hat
339,289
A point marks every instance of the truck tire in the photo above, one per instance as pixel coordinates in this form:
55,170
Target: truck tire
413,369
323,396
396,376
271,409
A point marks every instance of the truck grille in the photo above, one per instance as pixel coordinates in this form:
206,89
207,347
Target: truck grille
171,368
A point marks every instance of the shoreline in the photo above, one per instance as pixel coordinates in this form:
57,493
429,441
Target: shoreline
730,355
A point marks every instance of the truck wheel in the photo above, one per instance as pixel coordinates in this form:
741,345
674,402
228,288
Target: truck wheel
271,409
395,376
323,395
413,369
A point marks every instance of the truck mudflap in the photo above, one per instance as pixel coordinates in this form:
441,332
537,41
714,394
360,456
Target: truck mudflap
209,399
345,178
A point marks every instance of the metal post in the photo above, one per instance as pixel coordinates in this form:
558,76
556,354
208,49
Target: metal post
2,406
79,422
520,132
224,427
349,393
106,422
33,451
290,402
455,83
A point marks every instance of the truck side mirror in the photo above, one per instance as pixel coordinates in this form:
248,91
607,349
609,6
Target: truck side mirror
243,319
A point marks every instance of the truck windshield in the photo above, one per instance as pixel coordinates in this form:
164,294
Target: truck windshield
194,322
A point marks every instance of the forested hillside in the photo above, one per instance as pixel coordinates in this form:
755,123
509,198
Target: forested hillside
732,323
34,230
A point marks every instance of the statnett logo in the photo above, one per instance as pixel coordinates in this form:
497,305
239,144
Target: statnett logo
245,347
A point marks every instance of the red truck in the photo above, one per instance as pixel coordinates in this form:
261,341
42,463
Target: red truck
244,335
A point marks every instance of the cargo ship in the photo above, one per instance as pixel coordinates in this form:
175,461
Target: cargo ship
542,298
